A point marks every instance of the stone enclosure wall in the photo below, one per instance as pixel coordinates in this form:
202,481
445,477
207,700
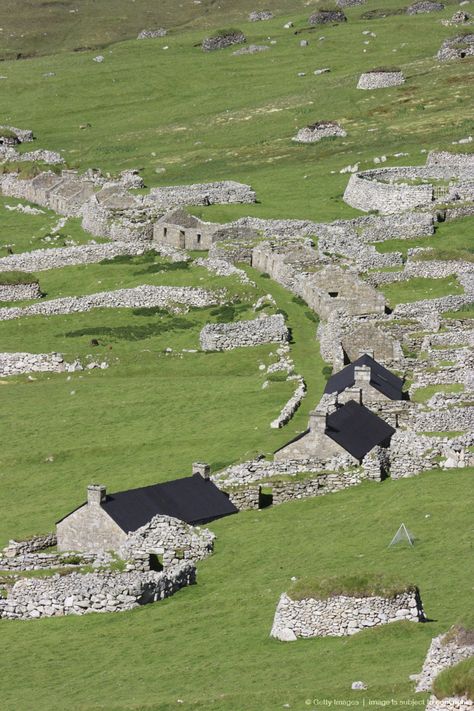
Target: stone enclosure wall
225,336
77,594
341,615
380,80
19,292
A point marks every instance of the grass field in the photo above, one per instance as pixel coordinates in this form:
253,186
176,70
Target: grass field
209,644
158,110
183,116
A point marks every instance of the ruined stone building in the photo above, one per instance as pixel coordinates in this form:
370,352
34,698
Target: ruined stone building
183,231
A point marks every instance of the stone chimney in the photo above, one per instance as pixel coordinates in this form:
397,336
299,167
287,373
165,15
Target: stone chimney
96,494
203,469
317,421
362,375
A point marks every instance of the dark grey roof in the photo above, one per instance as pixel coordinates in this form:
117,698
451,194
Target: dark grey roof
180,218
380,378
192,499
357,429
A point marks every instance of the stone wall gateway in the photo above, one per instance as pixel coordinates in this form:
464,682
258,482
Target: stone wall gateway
225,336
341,615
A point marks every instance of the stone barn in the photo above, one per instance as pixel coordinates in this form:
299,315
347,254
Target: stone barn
105,521
183,231
351,429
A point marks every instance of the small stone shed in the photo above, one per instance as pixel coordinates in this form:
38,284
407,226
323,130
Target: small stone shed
317,131
105,520
183,231
351,429
365,380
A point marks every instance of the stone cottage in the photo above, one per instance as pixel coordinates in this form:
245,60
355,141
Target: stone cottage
368,338
351,429
365,380
183,231
104,522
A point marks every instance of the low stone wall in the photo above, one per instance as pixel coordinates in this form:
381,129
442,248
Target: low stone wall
244,497
43,259
424,6
77,594
144,296
341,615
365,192
380,80
225,336
441,655
290,407
210,44
226,191
19,292
18,363
452,703
29,545
323,129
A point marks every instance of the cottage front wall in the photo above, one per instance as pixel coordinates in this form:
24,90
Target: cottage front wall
193,238
89,529
313,444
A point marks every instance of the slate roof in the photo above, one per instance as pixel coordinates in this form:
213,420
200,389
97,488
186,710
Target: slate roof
180,218
357,429
380,378
192,499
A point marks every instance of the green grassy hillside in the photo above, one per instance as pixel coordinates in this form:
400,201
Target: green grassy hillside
209,645
183,116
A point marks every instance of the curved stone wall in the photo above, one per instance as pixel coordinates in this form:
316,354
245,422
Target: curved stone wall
365,192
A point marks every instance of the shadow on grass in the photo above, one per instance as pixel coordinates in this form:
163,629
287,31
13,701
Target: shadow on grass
134,333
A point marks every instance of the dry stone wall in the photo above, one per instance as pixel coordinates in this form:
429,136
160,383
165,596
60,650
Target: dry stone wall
441,655
58,257
144,296
17,363
380,80
341,615
227,191
77,594
225,336
19,292
317,131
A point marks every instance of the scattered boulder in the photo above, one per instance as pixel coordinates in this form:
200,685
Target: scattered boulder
424,6
222,39
260,15
457,47
100,58
251,49
152,34
319,130
324,17
381,78
324,70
